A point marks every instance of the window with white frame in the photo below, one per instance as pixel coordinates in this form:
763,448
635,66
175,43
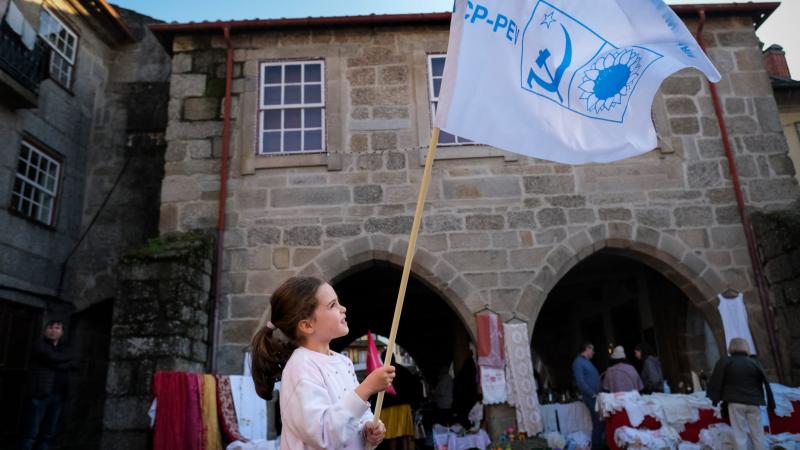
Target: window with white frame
36,184
292,107
64,44
435,75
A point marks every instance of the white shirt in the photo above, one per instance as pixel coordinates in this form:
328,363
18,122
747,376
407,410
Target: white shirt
734,320
319,406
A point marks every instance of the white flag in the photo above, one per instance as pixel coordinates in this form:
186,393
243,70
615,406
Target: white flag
565,80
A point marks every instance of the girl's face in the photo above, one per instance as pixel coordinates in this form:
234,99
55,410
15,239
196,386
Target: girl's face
329,318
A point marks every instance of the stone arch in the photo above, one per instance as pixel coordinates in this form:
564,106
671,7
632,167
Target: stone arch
653,248
437,274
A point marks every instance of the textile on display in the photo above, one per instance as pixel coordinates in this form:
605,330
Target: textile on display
633,438
520,383
493,385
16,21
567,418
490,340
607,404
445,438
734,320
254,445
251,410
717,437
579,440
398,421
784,396
208,407
227,411
178,424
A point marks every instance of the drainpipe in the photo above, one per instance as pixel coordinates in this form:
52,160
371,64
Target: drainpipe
752,248
222,203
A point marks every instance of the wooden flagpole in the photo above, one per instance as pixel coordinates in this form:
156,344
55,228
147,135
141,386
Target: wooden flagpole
412,244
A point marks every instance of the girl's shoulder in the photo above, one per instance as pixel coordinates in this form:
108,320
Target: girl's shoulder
308,364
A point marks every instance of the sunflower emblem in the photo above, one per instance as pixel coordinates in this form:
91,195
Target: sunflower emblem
609,79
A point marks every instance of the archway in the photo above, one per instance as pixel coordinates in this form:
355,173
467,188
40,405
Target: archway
613,298
430,330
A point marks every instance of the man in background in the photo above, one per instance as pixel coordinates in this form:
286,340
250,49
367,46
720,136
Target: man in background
588,380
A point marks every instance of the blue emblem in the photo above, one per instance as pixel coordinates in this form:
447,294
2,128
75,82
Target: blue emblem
578,69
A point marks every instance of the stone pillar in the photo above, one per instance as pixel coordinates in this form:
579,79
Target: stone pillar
161,322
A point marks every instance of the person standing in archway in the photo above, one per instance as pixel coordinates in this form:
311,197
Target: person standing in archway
621,376
652,376
588,380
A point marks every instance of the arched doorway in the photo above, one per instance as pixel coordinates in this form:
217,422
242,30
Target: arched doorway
613,299
430,330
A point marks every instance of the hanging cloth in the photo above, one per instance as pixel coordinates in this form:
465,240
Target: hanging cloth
493,385
208,406
178,418
521,385
734,320
490,340
251,410
226,411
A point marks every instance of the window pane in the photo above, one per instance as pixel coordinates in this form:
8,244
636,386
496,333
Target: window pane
291,141
23,154
272,142
291,95
51,184
272,75
437,86
31,174
313,140
437,66
291,118
446,138
313,93
313,72
313,117
293,73
272,96
272,119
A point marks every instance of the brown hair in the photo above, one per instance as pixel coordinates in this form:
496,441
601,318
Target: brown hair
293,301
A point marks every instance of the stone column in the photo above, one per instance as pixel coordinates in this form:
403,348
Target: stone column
161,322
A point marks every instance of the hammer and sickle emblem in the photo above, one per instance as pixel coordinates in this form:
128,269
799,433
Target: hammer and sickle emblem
555,80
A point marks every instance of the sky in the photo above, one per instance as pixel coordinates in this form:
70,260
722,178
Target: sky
778,29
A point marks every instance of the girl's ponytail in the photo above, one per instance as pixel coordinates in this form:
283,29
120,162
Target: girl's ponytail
293,301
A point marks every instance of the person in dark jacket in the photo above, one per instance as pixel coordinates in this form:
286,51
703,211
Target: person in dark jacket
652,376
740,382
50,363
588,380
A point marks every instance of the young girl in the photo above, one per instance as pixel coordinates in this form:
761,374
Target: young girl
322,404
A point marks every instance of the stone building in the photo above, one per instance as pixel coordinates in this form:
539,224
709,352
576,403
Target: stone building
787,96
329,124
83,91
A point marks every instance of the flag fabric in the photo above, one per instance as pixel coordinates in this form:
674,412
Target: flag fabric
570,81
374,360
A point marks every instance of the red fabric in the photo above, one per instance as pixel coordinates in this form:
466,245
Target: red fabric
789,424
179,425
374,360
490,351
226,410
691,432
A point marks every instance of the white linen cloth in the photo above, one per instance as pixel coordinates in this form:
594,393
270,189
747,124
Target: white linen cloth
251,410
493,385
520,383
734,320
784,396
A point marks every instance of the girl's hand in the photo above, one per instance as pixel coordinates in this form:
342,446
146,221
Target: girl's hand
374,431
375,382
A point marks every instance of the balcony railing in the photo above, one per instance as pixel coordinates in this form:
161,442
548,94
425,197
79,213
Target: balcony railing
27,67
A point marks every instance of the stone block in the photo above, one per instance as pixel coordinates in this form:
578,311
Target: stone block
343,230
359,143
737,39
395,161
384,141
303,236
181,63
359,113
507,239
766,143
308,196
551,217
390,112
654,217
238,331
482,280
647,236
615,214
693,216
370,162
529,258
251,199
704,174
196,215
781,165
302,256
468,240
368,194
361,76
485,222
522,219
486,187
504,300
549,184
187,85
681,106
126,413
684,125
263,236
728,237
516,279
442,222
477,260
389,225
581,215
775,189
551,236
201,108
768,115
567,201
179,189
681,85
393,75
